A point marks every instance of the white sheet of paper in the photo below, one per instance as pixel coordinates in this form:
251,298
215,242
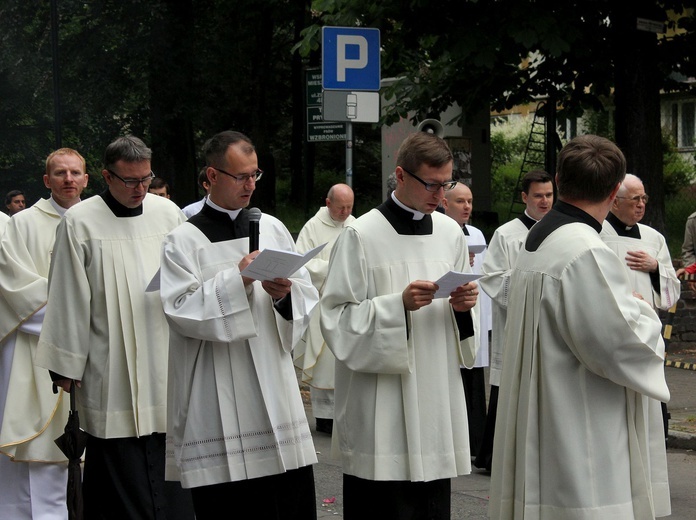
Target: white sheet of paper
477,248
272,263
450,281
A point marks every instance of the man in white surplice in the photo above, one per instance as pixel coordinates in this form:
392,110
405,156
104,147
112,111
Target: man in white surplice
104,332
643,249
400,419
34,476
314,358
507,240
647,261
581,354
237,426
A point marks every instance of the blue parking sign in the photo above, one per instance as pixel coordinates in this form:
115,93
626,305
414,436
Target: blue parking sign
350,58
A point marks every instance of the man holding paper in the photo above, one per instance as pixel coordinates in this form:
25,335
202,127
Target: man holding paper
400,412
236,421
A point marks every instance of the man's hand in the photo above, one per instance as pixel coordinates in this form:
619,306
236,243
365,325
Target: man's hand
464,297
245,262
641,261
418,294
277,288
681,273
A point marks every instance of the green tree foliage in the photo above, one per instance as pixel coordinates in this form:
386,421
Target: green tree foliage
577,54
173,73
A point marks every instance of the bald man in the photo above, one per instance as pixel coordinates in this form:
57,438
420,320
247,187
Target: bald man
646,257
312,356
459,204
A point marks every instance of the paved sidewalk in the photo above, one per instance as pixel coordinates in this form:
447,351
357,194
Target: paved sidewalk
680,370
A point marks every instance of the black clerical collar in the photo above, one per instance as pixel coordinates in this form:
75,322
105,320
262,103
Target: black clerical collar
402,220
622,229
527,220
561,214
119,209
466,231
217,225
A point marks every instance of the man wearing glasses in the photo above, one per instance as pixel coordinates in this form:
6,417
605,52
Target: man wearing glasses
648,263
643,249
238,428
107,335
400,411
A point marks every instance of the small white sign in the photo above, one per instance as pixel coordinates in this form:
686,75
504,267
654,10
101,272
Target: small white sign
353,106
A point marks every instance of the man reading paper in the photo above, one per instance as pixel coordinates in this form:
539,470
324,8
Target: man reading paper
236,421
400,412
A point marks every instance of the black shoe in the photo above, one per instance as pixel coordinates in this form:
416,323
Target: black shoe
325,425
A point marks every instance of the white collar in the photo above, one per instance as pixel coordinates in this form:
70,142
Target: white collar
417,215
233,213
59,209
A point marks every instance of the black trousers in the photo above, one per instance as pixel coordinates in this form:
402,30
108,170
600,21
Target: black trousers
124,478
286,496
474,381
484,459
396,500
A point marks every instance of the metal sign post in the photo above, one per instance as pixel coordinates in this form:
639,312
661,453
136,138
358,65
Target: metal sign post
349,154
350,67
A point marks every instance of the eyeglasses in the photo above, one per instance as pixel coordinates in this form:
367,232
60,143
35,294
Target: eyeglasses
432,186
242,179
636,199
132,183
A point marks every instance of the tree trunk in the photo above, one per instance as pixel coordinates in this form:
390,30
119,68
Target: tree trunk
173,154
637,98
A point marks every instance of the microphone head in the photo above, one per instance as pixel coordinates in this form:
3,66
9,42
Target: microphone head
254,214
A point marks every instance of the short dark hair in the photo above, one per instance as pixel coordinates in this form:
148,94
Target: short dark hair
158,183
11,195
203,178
215,148
535,176
423,148
589,168
128,148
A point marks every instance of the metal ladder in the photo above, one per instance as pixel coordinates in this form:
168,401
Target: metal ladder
534,158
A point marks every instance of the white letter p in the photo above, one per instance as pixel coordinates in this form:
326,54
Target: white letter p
344,63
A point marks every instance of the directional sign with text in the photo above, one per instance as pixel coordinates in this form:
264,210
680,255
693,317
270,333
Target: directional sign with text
319,130
350,58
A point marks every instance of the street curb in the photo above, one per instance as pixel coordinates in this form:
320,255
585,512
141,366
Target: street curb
680,364
678,440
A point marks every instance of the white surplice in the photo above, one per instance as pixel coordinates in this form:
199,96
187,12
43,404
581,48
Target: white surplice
475,237
101,326
4,219
400,407
506,242
235,409
34,415
653,243
312,355
580,352
34,479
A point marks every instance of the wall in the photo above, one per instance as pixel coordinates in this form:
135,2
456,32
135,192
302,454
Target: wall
683,334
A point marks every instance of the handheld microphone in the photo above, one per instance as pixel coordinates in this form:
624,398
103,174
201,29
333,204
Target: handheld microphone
254,218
